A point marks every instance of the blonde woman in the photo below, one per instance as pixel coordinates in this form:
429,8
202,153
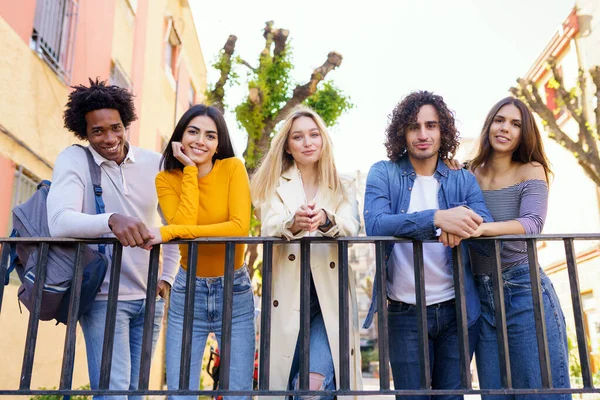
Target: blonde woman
297,192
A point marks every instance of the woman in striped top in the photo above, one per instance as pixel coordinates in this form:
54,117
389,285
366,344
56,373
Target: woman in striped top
512,170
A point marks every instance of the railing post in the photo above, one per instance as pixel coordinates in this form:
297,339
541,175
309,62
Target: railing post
421,315
34,316
149,313
539,314
461,316
188,318
344,342
265,316
225,350
382,318
501,332
584,359
304,336
111,317
4,268
66,376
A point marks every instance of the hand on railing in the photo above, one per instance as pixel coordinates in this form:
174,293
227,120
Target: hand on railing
461,221
129,230
449,239
156,238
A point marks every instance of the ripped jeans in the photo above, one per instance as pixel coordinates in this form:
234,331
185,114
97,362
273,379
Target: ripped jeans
321,361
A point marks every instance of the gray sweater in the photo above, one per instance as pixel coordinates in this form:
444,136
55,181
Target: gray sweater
128,189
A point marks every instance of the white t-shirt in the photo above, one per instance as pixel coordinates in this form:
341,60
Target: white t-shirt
439,283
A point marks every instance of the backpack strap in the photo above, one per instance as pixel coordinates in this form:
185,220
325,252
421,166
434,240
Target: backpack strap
12,257
96,174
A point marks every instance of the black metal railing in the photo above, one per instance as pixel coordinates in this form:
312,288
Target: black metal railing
304,336
54,32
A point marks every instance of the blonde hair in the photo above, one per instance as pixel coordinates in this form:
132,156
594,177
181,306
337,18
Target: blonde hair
277,161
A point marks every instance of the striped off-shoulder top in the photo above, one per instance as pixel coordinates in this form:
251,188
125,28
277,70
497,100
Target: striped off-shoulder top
526,202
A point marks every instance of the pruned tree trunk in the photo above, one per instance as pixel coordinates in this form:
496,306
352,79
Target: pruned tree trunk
585,148
217,95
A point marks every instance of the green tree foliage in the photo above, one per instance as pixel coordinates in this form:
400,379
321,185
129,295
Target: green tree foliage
60,397
330,102
272,92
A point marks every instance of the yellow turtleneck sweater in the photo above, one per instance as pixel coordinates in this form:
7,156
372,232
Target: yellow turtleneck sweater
218,204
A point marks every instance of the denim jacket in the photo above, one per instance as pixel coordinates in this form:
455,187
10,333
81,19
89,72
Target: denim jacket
387,198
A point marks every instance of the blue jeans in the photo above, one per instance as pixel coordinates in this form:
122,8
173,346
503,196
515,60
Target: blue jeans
444,359
129,327
208,318
522,337
320,361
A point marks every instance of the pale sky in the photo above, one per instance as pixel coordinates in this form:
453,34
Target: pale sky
468,51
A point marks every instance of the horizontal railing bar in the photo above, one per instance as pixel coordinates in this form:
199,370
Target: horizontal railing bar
427,392
350,239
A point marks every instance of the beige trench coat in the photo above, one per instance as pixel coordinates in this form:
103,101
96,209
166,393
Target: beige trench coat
276,217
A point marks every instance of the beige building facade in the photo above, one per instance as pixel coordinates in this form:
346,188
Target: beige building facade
151,48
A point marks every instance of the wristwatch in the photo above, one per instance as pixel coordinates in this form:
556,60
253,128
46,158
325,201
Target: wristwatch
327,223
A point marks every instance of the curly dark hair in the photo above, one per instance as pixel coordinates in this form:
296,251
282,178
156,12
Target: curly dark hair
98,96
405,114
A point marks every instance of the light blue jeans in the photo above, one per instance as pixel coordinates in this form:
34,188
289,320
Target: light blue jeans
320,360
522,336
129,327
208,312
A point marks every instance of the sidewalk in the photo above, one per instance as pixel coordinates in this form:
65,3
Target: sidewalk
373,384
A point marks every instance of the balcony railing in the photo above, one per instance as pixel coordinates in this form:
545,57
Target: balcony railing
53,36
304,336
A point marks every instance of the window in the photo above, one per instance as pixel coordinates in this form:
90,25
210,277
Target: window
24,186
53,36
172,43
133,5
169,56
118,77
192,96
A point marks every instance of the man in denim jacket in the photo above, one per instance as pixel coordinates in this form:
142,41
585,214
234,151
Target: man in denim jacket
416,195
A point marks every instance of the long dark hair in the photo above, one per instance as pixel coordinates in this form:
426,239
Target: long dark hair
405,113
531,147
168,161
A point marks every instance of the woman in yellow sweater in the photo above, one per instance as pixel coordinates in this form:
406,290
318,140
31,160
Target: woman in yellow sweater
203,190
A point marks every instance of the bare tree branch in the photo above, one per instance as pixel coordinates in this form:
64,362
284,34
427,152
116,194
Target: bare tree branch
280,37
584,135
528,92
595,74
590,172
268,32
247,64
535,102
302,92
217,95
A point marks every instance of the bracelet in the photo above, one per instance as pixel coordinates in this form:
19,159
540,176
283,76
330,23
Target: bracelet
327,223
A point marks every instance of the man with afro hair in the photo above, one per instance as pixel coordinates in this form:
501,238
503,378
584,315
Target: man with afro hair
416,195
101,114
